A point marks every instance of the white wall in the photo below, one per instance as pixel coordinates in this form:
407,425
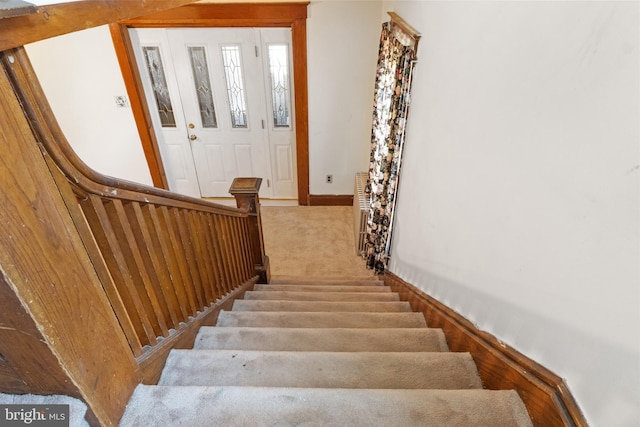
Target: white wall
342,40
80,75
519,200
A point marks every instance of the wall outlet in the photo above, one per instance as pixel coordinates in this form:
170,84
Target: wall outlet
329,179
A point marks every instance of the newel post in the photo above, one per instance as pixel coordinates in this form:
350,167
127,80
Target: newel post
245,190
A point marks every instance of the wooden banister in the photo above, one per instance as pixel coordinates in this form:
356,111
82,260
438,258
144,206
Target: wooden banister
164,261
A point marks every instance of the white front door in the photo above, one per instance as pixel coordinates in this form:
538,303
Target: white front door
224,106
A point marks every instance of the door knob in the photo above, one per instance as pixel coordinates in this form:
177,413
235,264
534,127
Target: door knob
193,137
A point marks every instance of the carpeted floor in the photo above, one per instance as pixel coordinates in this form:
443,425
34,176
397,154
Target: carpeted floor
313,241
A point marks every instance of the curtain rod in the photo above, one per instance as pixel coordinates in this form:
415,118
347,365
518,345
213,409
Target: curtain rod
408,29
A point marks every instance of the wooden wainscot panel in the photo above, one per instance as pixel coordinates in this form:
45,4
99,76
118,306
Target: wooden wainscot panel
331,200
501,367
27,364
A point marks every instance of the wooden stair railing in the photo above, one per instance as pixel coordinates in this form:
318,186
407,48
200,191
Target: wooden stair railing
163,259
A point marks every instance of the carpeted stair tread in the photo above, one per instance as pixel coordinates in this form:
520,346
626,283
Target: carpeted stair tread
257,406
321,339
327,282
320,288
393,370
322,306
320,320
321,296
318,352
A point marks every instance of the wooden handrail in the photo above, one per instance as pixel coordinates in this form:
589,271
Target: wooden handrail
162,258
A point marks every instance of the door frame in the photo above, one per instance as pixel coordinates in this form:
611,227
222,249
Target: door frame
285,15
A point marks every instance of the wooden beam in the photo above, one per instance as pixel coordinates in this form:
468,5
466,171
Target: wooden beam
58,19
253,14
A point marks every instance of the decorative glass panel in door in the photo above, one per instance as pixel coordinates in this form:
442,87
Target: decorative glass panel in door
235,86
159,82
279,77
202,83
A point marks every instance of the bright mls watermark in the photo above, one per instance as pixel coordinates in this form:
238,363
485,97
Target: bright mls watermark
34,415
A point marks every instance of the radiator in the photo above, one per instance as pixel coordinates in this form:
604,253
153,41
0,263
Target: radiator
360,211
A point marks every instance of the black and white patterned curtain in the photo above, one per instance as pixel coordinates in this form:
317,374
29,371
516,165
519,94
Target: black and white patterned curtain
396,59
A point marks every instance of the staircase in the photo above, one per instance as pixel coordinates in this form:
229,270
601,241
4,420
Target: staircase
321,353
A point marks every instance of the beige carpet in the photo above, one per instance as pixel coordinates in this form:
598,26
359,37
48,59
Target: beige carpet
313,241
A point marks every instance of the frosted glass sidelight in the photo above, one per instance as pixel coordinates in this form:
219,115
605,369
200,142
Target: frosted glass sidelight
160,88
279,76
235,85
200,71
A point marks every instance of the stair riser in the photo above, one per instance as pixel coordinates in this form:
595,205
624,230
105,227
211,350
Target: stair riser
329,339
321,320
318,288
321,296
328,282
322,306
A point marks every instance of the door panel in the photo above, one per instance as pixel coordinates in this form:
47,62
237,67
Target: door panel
278,82
231,92
234,82
216,165
174,146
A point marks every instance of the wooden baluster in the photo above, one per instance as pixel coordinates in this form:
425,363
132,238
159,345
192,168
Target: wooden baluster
237,246
216,268
237,261
162,240
237,225
179,256
188,247
245,190
250,266
157,268
131,326
203,262
208,255
224,252
111,250
232,252
216,239
228,250
139,274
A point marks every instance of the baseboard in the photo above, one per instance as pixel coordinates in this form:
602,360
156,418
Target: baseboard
152,361
501,367
330,199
